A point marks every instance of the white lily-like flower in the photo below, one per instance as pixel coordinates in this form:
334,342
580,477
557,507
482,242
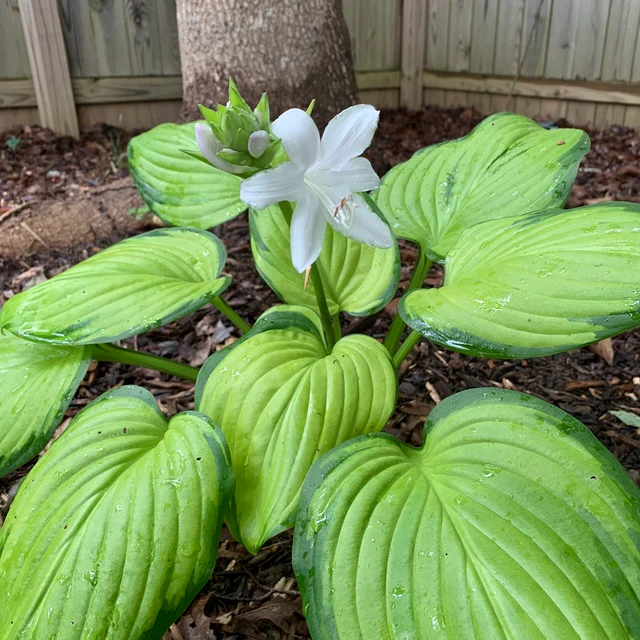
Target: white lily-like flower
209,146
322,177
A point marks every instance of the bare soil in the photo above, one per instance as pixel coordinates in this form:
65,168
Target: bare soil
84,206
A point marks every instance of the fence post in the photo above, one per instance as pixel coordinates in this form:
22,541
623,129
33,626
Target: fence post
414,22
49,65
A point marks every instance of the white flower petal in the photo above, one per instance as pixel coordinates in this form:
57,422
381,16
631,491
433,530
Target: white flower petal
347,136
329,194
356,175
209,146
299,135
285,182
307,232
366,226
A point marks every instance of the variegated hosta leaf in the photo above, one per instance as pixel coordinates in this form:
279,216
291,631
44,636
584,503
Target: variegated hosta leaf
127,289
357,278
536,284
506,166
115,529
37,382
512,521
282,400
178,187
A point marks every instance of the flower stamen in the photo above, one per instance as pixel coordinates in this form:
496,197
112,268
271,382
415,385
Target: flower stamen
344,211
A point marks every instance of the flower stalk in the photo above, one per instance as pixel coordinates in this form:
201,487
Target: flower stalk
398,325
113,353
405,348
336,326
231,315
327,322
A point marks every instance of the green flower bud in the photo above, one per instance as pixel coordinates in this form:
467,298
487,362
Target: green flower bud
258,143
242,137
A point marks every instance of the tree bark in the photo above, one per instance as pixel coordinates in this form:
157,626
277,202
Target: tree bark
295,50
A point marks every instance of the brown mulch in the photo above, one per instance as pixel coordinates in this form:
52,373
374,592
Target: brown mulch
36,164
257,597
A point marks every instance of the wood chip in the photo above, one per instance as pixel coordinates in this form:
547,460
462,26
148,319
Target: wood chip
584,384
632,442
435,396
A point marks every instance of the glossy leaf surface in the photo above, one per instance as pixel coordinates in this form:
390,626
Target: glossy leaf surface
115,530
507,165
37,382
127,289
536,284
182,189
282,401
512,521
357,278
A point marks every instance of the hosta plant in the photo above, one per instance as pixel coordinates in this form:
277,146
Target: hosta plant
511,520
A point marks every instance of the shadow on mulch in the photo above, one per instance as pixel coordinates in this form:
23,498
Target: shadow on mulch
257,597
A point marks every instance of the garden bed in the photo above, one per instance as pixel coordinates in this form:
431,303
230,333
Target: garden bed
62,200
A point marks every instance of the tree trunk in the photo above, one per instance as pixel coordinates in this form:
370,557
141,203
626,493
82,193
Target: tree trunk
295,50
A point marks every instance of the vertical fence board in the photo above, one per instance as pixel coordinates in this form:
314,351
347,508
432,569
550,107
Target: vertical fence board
437,35
381,98
632,117
589,40
459,48
562,39
167,28
117,38
635,67
413,34
538,32
456,99
373,26
481,101
14,61
498,103
508,37
485,22
435,97
49,65
528,106
583,113
588,54
552,109
622,33
607,114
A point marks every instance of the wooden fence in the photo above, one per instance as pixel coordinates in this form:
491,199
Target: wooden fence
70,63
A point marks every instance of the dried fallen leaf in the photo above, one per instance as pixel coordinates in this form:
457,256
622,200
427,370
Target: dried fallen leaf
628,418
604,349
416,409
28,278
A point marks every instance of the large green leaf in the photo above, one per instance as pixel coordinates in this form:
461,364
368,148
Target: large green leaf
536,284
178,187
282,400
507,165
37,382
512,521
127,289
357,278
115,529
